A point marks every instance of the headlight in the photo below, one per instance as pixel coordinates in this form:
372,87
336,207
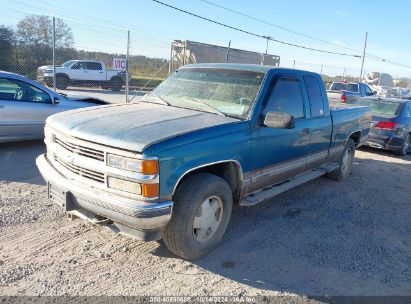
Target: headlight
124,163
144,166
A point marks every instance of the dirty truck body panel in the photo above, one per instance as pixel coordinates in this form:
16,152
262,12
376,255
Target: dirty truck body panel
183,141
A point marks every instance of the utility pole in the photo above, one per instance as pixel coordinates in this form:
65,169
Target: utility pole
321,72
127,56
54,54
294,64
266,48
363,55
228,52
170,63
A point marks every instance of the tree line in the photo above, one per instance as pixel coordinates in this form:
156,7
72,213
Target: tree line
30,45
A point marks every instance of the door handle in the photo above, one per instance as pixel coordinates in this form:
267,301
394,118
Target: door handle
306,131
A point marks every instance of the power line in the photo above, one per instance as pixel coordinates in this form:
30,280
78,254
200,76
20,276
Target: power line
253,34
369,55
277,26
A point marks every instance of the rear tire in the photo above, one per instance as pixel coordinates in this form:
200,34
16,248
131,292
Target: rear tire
405,148
201,213
116,84
345,163
62,82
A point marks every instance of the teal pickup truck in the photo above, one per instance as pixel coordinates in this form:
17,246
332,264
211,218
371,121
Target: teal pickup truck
210,136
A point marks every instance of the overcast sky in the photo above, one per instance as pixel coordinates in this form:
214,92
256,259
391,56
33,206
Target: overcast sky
101,25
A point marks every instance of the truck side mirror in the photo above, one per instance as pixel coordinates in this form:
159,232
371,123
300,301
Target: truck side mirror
55,100
279,120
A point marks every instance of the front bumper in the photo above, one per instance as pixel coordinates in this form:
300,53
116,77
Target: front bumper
141,220
44,78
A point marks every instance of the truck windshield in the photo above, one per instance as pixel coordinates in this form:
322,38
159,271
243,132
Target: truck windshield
380,107
219,91
341,86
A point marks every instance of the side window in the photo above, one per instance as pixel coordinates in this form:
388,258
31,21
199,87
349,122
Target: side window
16,90
95,66
315,96
77,66
92,66
363,90
286,97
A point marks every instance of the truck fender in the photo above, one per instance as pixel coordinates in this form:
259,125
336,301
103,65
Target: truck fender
238,176
63,75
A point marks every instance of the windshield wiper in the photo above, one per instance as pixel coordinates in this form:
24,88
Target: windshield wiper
165,102
211,108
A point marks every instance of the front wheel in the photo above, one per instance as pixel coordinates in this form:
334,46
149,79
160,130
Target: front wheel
62,82
345,163
201,213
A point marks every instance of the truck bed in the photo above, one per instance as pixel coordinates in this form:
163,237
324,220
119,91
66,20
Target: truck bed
346,119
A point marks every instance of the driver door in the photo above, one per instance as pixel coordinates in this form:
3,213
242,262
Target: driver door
278,154
23,109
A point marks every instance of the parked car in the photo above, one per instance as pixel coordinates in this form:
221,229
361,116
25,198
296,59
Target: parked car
211,135
345,92
25,104
82,72
391,123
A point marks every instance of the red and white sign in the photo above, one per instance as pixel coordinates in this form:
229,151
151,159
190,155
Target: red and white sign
119,64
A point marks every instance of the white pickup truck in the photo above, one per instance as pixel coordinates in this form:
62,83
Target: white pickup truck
82,72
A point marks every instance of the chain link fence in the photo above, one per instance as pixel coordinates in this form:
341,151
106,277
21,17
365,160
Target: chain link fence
79,56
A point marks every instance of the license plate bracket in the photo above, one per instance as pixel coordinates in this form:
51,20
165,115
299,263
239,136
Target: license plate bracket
60,196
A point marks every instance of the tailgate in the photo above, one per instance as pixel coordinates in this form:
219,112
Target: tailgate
334,96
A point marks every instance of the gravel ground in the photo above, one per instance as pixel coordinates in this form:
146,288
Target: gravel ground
322,238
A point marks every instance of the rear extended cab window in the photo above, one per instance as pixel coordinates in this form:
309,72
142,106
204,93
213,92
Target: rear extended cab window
315,96
93,66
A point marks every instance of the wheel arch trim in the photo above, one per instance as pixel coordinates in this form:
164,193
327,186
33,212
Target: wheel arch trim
235,162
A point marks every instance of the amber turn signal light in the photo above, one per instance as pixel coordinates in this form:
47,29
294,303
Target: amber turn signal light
150,167
151,190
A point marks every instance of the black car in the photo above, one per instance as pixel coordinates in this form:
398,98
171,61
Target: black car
391,123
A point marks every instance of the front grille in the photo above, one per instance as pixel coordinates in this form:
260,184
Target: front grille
80,150
93,175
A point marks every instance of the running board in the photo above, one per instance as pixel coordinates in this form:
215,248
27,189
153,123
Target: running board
274,190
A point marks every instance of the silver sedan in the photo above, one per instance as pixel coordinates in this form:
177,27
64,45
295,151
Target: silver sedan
25,104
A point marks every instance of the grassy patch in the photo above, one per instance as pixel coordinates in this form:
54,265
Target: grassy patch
141,80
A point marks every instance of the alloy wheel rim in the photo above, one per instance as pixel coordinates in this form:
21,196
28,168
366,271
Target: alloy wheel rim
208,218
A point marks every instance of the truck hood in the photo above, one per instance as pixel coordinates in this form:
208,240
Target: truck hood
134,126
48,67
